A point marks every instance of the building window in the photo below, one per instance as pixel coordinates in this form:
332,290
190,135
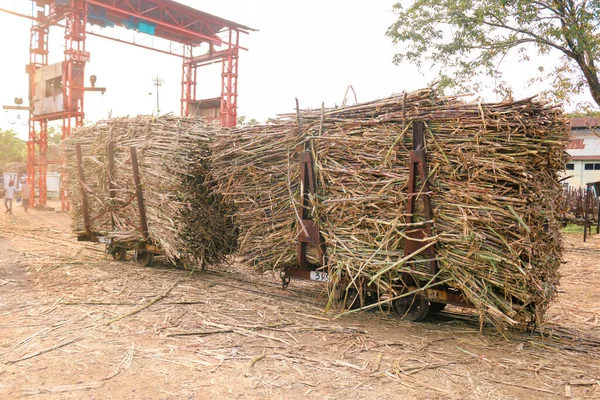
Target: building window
588,167
597,166
570,166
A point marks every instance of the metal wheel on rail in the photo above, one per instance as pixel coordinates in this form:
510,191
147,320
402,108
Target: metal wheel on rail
143,257
119,253
411,308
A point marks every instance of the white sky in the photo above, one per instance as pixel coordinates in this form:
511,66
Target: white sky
311,49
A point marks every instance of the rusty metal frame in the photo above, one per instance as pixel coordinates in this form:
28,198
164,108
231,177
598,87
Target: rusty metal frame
84,200
418,189
418,171
90,236
418,165
172,21
309,234
443,295
308,228
110,151
139,193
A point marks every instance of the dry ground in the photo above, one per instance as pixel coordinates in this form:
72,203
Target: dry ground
69,330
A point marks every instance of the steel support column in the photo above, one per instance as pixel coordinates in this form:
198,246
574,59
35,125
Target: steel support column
43,161
188,80
229,78
73,79
38,57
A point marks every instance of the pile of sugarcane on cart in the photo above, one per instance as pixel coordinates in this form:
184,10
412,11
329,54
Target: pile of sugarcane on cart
408,203
138,184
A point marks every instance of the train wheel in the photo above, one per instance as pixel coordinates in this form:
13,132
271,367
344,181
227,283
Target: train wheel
411,308
119,253
144,258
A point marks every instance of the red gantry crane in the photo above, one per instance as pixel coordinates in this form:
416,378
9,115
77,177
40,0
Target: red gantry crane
56,92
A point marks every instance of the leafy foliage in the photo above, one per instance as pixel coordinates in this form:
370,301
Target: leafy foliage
54,136
241,121
12,149
468,40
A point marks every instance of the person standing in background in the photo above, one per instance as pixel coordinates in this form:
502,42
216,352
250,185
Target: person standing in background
25,195
9,194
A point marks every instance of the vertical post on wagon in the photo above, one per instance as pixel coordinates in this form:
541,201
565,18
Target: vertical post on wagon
84,199
138,190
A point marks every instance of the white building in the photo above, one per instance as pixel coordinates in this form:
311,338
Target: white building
584,150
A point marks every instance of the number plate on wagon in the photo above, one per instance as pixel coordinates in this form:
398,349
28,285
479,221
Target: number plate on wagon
104,239
319,276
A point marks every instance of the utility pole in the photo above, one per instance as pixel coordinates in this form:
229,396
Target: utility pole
157,82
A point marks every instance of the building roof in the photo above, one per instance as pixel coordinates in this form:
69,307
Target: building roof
576,144
584,148
585,122
166,19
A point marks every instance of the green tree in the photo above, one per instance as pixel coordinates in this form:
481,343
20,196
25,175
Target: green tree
468,40
241,121
54,136
12,149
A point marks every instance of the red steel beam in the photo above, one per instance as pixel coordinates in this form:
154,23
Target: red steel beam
16,13
96,34
166,26
205,16
134,44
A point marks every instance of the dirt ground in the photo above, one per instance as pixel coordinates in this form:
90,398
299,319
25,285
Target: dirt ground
74,324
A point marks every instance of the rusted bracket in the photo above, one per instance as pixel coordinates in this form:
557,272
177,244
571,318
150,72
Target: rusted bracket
309,229
309,234
110,150
139,193
445,296
418,165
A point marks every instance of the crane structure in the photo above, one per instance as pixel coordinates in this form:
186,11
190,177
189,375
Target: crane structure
56,92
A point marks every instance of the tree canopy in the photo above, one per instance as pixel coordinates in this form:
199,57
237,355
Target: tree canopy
54,136
12,149
468,39
242,121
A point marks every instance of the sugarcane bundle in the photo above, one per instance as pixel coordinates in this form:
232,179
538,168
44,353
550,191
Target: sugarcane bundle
493,182
256,168
185,219
492,175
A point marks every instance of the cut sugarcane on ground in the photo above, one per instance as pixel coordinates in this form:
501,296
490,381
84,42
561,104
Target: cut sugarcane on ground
235,333
492,175
184,220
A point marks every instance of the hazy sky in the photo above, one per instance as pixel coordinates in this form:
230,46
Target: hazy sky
311,49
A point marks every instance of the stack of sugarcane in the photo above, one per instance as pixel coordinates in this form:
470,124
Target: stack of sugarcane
256,168
492,175
185,220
